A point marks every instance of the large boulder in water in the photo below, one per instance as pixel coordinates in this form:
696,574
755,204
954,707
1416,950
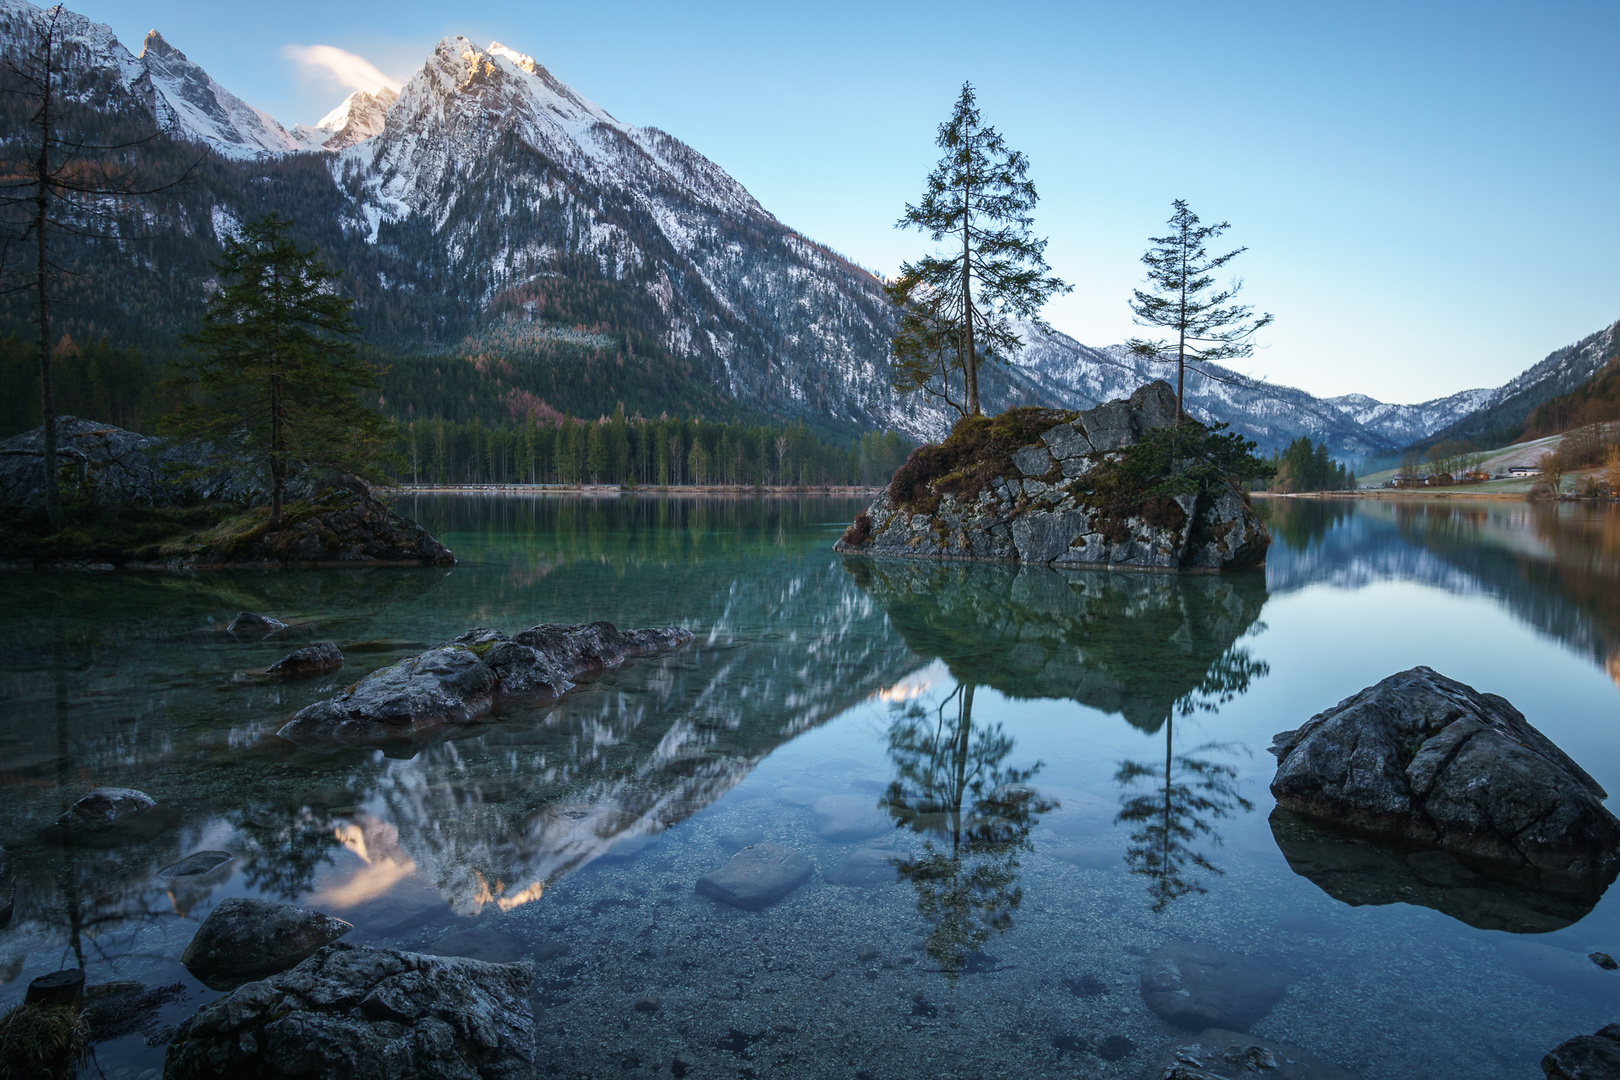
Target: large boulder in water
247,938
459,681
1426,760
107,814
308,662
1585,1057
1067,489
359,1012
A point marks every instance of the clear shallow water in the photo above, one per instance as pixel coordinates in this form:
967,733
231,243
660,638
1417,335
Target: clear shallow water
1016,726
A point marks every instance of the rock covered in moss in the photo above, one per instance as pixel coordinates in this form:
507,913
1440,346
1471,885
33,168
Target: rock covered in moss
459,681
1065,489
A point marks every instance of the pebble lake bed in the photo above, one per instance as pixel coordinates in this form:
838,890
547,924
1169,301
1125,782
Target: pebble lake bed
877,819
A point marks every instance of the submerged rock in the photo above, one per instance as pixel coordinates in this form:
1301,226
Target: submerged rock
1229,1055
196,864
1425,759
1200,986
1586,1057
115,1010
850,817
106,810
306,663
252,624
246,938
865,868
756,877
1045,486
350,1012
460,681
1358,869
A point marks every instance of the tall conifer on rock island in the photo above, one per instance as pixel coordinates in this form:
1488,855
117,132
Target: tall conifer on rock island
1207,325
274,379
955,306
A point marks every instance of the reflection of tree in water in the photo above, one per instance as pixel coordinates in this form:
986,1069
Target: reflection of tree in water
975,815
1189,793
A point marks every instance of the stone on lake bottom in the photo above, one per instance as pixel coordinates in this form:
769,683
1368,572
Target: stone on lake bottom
1217,1054
734,840
1199,986
306,663
196,864
247,938
756,877
357,1011
252,624
850,817
480,944
866,867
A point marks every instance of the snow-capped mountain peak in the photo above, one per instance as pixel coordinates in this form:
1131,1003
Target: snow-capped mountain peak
360,117
189,102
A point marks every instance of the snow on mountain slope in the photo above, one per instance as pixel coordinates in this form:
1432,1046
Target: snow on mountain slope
358,118
180,96
194,105
1404,424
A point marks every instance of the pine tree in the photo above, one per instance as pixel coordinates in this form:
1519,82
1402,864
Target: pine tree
1207,325
955,308
274,378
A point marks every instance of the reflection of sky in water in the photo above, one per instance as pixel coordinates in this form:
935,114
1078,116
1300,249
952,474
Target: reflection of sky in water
578,833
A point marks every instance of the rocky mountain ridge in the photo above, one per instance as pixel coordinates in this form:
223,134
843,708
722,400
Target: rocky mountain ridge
486,190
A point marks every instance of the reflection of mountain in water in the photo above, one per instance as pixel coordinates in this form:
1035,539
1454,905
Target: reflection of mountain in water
1133,644
1556,567
786,641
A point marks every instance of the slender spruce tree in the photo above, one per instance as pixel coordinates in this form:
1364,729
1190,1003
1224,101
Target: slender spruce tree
1182,298
956,306
274,378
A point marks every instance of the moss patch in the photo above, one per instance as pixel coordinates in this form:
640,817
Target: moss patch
859,534
978,450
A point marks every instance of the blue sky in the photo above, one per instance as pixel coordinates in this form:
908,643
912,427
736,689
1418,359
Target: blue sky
1430,192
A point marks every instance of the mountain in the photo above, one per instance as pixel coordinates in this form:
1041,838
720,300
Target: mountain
1500,419
489,216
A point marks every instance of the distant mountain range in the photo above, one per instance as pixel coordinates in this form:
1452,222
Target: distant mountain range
488,201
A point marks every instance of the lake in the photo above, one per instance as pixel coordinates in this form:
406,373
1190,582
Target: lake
1014,784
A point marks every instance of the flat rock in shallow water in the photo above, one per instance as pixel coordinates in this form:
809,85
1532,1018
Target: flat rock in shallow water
105,810
350,1012
459,681
850,817
197,864
1425,759
245,938
866,867
1229,1055
1200,986
756,877
306,663
477,943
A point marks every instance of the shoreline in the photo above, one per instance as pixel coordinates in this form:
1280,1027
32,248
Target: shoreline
599,491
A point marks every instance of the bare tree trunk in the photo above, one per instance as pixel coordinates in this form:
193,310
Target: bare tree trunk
47,391
278,453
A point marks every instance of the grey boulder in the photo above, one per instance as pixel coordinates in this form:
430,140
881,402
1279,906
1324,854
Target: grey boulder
1199,986
362,1013
1586,1057
306,663
1230,1055
245,938
756,877
1425,759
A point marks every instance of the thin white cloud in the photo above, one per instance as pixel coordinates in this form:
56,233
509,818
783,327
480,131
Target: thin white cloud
344,68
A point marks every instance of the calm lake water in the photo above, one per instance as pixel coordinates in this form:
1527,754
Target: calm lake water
1069,768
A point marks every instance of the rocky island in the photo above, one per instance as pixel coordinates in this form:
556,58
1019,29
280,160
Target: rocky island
1120,486
145,503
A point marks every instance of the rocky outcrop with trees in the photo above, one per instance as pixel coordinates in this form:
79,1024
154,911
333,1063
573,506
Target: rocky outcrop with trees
1122,485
